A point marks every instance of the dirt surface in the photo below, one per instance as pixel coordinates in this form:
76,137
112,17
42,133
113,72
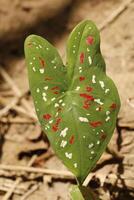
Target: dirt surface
21,138
18,17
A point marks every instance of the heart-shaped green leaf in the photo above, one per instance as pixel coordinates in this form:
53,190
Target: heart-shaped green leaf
76,104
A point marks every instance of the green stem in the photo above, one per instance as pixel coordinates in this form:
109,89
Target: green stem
82,193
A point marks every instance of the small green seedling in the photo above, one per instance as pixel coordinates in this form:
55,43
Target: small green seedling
76,104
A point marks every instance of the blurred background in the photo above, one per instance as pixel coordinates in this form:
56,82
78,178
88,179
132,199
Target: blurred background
25,152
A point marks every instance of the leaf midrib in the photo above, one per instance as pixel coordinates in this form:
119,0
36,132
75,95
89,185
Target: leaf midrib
74,65
74,115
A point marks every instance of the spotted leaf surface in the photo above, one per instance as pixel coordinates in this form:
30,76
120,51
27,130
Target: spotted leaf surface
76,104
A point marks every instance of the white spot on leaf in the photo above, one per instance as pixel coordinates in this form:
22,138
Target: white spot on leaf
63,143
40,46
56,105
106,91
107,119
107,112
34,69
44,98
98,142
41,71
60,101
93,79
51,121
98,101
89,60
64,132
53,61
83,119
92,152
77,88
68,155
53,99
56,114
75,165
37,90
46,87
102,84
43,94
90,145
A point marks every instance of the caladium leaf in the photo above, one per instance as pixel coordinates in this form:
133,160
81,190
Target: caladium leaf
77,104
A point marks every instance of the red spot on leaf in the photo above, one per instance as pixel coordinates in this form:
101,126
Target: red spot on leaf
58,121
96,124
89,40
86,104
103,136
59,109
55,88
56,92
113,106
48,79
81,78
89,89
82,58
100,108
42,62
71,141
47,116
29,44
86,96
55,126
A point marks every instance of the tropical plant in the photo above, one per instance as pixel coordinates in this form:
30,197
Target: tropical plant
77,103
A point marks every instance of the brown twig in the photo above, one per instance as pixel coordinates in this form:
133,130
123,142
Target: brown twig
17,92
17,181
17,120
53,172
6,93
21,110
6,189
115,14
29,192
114,153
8,107
44,156
7,183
